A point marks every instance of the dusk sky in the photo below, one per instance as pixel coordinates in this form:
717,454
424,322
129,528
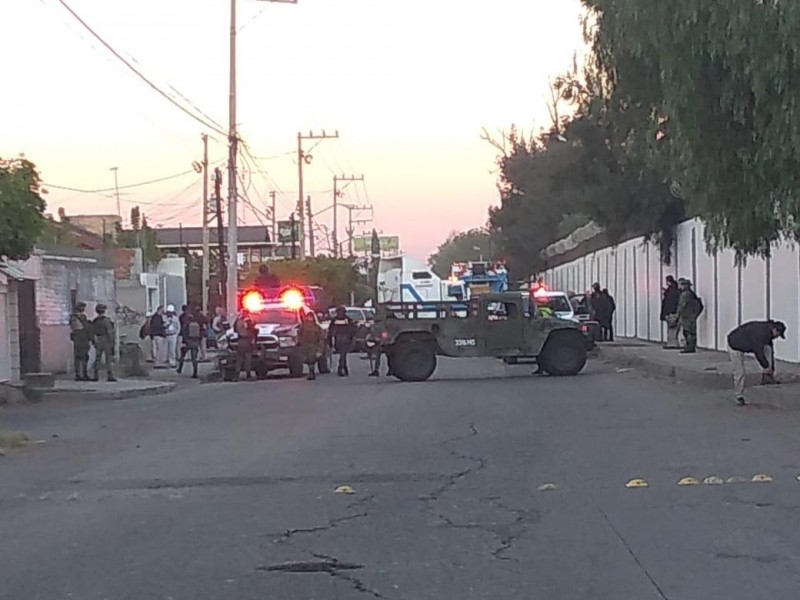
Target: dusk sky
408,85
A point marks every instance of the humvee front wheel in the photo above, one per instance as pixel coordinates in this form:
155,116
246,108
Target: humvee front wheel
413,361
563,354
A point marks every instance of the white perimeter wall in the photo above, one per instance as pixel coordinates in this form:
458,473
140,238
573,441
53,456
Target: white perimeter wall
634,275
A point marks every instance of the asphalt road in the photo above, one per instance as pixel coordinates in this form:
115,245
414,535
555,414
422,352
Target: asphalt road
227,491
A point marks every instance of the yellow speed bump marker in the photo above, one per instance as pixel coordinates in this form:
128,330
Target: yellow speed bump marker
344,489
689,481
762,478
637,483
736,480
548,487
713,480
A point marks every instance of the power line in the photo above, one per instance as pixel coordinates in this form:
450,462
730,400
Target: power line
122,187
266,176
139,73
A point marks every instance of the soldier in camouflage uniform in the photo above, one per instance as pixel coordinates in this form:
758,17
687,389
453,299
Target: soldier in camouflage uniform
310,339
103,329
82,338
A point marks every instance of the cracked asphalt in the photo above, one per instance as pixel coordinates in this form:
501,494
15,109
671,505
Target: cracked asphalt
227,491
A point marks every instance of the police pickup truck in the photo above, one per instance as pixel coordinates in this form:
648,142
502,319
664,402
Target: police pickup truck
277,322
491,325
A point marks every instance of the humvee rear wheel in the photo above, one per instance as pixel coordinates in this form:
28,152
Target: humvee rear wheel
563,354
413,361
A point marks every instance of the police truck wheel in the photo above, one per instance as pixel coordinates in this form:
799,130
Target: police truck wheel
563,354
261,370
229,374
413,361
296,366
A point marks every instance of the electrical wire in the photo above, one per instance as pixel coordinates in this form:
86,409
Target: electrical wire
140,74
267,177
122,187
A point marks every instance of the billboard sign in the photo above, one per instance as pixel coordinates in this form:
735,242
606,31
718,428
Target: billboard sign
285,232
363,243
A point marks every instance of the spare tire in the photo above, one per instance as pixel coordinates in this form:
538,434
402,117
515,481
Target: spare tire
564,353
413,361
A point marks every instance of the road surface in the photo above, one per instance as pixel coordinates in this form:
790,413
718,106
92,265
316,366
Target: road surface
482,483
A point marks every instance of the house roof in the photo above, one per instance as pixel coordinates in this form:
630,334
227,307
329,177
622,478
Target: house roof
174,237
11,271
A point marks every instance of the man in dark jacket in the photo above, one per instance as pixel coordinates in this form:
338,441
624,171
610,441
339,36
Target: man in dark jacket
604,310
756,338
266,279
669,312
341,334
191,337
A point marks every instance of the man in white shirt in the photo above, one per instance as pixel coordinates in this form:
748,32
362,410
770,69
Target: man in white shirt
173,329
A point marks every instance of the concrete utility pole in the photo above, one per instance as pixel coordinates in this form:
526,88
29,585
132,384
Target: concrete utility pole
303,158
311,246
351,223
233,149
206,241
220,236
337,193
272,196
116,187
293,225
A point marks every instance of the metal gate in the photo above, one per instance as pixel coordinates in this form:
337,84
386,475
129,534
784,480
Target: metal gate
30,346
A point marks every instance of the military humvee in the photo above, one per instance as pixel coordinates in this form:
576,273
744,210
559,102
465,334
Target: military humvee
490,325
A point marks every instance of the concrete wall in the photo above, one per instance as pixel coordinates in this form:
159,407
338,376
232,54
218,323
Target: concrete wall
634,274
5,334
172,274
60,274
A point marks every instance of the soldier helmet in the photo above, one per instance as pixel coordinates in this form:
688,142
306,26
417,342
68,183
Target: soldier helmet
100,308
80,306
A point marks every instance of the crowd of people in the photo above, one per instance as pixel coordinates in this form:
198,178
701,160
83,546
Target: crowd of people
599,305
172,337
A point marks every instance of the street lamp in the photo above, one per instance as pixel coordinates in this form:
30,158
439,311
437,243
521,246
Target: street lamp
233,149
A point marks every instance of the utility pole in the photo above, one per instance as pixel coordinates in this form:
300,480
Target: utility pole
116,187
274,220
220,237
233,149
311,246
206,241
351,222
303,158
294,236
337,193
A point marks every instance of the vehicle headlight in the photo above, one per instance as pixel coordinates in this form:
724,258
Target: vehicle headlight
287,342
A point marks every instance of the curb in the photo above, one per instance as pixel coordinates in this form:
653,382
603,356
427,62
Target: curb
56,395
663,369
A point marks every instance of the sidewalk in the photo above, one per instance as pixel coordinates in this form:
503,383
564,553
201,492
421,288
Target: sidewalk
67,389
707,368
155,382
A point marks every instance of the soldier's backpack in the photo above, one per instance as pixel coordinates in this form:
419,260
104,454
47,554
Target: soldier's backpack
700,306
193,330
